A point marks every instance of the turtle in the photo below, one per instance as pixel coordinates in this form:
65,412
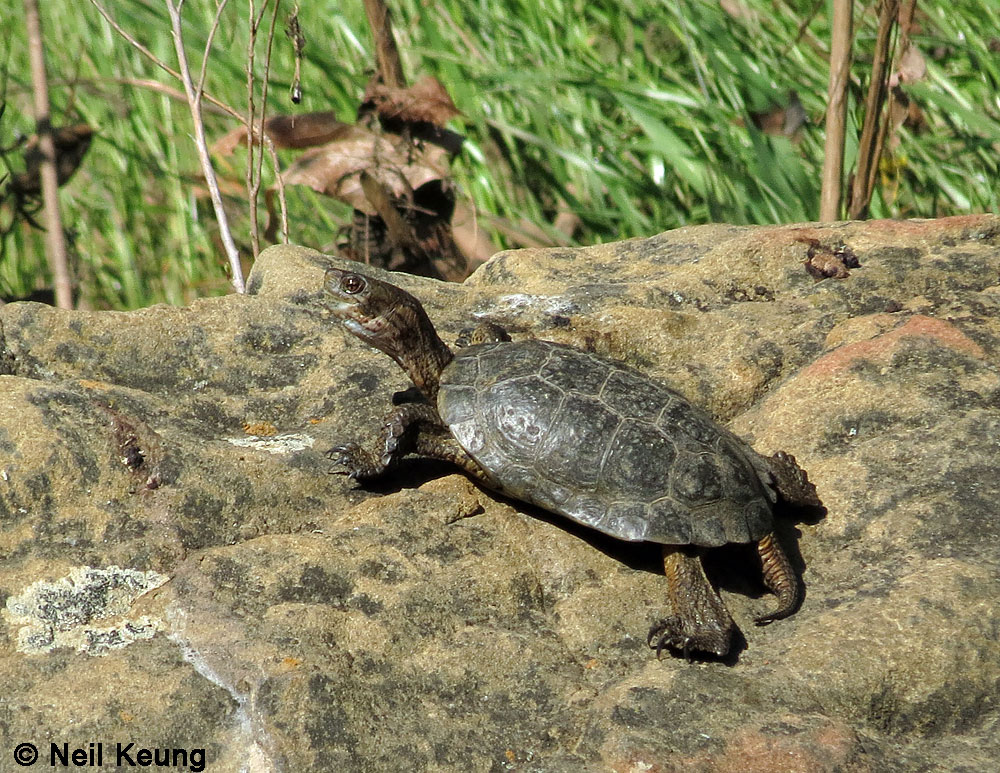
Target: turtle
583,436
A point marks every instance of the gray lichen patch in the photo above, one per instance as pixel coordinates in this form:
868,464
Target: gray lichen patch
287,443
85,610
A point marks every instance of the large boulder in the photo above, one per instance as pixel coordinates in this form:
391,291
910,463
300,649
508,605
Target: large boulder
179,572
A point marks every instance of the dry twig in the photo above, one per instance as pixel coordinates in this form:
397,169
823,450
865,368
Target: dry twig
56,243
836,110
194,96
390,68
155,60
873,129
255,123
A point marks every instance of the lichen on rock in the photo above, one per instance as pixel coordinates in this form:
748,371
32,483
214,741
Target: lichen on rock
85,610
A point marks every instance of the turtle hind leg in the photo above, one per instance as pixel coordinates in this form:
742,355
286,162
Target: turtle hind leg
791,481
700,621
780,578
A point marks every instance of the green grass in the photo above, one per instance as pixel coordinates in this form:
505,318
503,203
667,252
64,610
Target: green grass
634,114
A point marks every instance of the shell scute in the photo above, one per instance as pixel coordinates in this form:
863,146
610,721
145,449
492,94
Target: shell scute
640,460
574,371
631,395
577,441
521,412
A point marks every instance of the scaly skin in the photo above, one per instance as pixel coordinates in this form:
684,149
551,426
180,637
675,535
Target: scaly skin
366,464
791,481
393,321
779,577
411,428
700,621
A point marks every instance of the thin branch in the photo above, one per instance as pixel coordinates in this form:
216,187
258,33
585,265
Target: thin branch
390,68
282,201
872,136
293,31
156,60
56,243
194,102
836,109
255,162
253,186
220,5
803,26
265,81
470,44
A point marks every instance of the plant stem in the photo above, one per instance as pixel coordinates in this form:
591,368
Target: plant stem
194,102
154,59
55,240
390,68
872,136
836,110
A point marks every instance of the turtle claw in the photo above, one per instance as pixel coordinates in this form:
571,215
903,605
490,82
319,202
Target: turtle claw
667,633
337,454
678,634
357,463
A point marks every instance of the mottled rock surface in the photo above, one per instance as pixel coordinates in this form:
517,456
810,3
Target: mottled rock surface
179,571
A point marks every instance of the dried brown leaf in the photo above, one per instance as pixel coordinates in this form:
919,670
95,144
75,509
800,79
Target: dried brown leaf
400,231
335,168
225,145
912,67
307,130
426,101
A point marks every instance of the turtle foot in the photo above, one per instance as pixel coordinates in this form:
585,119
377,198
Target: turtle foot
791,481
699,619
685,637
355,462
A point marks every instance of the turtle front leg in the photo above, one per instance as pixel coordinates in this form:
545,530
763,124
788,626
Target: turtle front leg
779,577
366,464
700,621
410,428
441,445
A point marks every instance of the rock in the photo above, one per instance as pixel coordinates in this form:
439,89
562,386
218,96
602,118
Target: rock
178,571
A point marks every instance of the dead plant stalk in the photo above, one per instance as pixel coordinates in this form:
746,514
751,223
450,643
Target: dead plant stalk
872,140
194,96
55,240
155,60
255,122
836,110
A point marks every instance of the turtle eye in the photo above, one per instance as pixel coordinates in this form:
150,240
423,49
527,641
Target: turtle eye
352,284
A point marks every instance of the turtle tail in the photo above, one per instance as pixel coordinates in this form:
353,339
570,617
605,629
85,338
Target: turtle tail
780,578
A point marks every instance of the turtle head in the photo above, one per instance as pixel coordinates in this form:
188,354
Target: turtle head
390,319
374,311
